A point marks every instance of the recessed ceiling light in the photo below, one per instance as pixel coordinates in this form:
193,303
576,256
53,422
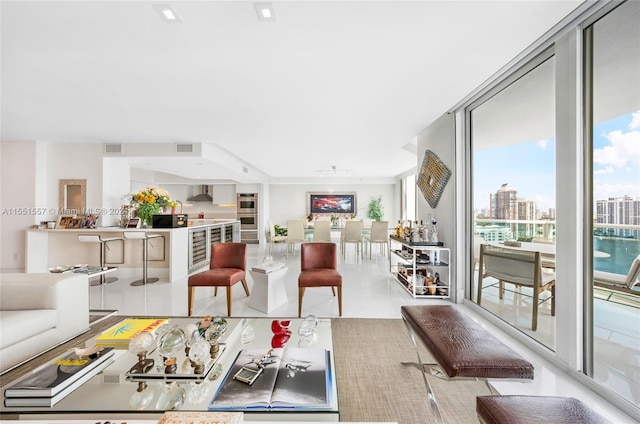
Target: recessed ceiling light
266,12
167,12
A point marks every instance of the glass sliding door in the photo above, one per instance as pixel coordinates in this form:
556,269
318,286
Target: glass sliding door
512,133
612,46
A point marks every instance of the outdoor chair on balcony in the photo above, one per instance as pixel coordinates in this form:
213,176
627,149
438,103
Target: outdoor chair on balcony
520,268
548,260
619,282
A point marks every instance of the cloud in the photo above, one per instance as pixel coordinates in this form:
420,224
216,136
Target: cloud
623,150
635,121
543,144
605,170
604,191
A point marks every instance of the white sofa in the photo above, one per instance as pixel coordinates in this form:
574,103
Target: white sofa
38,312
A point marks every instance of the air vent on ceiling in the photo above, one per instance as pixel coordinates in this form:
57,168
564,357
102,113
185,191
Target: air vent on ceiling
113,148
184,148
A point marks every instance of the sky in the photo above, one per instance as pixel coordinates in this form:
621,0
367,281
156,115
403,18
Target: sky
529,168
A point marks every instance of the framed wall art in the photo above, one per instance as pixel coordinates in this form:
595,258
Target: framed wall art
331,203
433,177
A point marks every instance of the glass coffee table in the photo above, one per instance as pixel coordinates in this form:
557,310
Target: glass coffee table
113,394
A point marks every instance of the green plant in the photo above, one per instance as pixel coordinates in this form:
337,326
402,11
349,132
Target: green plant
376,211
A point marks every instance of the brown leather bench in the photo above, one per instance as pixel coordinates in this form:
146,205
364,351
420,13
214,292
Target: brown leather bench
461,348
534,410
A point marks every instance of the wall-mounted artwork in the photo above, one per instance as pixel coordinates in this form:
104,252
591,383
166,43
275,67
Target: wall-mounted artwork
331,203
433,177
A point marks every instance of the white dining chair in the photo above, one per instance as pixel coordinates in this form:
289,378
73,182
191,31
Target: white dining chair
273,237
379,235
352,234
295,234
321,231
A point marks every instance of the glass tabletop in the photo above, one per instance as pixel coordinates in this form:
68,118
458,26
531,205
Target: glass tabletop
113,390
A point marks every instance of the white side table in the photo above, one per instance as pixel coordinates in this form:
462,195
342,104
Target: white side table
268,291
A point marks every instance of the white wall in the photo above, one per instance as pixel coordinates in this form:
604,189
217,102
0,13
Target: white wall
18,201
439,137
289,201
75,161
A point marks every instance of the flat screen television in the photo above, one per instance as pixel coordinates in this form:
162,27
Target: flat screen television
332,203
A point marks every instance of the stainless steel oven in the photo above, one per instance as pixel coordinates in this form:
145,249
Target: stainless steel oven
247,203
248,221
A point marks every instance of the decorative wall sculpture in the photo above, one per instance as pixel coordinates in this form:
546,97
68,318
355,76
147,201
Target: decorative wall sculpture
433,177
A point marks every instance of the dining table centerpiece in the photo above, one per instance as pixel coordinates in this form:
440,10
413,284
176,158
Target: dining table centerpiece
150,201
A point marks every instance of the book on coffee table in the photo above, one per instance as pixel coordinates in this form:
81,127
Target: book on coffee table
52,400
52,381
291,378
121,334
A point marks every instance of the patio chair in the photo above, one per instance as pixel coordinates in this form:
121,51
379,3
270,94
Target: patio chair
548,260
619,282
520,268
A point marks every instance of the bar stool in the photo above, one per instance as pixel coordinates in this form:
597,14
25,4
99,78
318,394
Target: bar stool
96,238
145,237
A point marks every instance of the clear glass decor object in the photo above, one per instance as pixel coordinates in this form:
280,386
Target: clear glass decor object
169,344
142,343
308,326
248,334
199,355
172,397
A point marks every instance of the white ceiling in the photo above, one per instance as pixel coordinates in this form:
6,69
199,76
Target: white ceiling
330,83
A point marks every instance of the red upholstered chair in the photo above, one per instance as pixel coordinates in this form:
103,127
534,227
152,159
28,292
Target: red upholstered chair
319,269
228,267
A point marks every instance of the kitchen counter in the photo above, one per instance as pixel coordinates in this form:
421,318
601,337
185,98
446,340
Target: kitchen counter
48,248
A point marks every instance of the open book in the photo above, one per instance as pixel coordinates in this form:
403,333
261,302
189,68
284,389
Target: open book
291,378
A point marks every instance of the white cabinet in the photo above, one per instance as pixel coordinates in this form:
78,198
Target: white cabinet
224,194
422,269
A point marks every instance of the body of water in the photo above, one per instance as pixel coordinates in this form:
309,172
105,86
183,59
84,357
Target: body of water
622,251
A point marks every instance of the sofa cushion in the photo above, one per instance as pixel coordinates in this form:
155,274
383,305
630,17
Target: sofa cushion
20,325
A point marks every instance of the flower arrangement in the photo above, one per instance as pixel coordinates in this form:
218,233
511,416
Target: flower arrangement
150,200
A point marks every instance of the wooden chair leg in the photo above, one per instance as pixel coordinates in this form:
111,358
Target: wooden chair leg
300,294
333,290
244,284
215,291
534,307
229,300
190,291
340,300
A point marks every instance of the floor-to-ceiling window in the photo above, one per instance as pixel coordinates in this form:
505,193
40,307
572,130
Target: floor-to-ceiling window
513,178
612,51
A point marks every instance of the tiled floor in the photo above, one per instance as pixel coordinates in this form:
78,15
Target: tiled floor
369,291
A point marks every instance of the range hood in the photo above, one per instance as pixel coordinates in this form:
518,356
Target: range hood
204,195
